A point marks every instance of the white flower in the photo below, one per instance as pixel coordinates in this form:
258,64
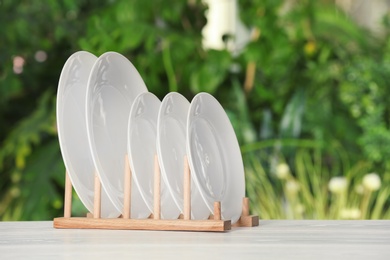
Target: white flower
352,213
282,171
371,182
355,213
292,187
338,184
359,189
300,209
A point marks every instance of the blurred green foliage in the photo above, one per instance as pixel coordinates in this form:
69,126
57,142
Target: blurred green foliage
317,101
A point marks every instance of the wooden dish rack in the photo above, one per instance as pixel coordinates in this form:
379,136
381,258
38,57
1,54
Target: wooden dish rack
154,222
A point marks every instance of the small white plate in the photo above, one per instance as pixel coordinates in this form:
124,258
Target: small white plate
72,130
142,134
171,149
113,85
214,156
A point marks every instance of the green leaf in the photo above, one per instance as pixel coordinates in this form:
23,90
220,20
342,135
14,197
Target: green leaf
291,123
211,73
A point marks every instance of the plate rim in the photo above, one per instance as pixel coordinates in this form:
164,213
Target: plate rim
194,190
129,153
143,88
208,200
60,107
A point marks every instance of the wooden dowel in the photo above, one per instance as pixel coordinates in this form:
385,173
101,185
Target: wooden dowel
68,196
97,197
217,210
245,206
187,190
127,190
157,189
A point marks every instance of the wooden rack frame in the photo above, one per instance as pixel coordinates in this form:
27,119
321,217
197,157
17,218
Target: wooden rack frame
183,223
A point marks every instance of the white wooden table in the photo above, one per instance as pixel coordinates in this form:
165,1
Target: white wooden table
307,239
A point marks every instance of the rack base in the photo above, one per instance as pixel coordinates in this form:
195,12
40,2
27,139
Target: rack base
154,222
247,221
142,224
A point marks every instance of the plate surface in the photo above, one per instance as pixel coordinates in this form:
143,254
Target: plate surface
171,149
113,85
214,156
142,134
72,130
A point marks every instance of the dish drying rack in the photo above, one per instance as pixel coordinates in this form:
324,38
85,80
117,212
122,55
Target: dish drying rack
154,222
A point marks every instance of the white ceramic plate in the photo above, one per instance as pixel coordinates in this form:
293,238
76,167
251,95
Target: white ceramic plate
142,134
214,156
171,149
72,130
113,85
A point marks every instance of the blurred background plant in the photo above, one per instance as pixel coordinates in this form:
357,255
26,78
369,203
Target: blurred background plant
307,95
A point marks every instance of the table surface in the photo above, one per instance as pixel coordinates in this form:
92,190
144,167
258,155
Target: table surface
273,239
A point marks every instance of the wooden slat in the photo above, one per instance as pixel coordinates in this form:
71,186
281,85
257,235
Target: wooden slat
97,197
143,224
246,220
127,190
68,196
245,206
217,210
187,190
157,190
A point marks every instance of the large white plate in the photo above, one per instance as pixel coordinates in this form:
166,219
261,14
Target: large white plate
171,149
142,134
113,85
214,156
72,130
